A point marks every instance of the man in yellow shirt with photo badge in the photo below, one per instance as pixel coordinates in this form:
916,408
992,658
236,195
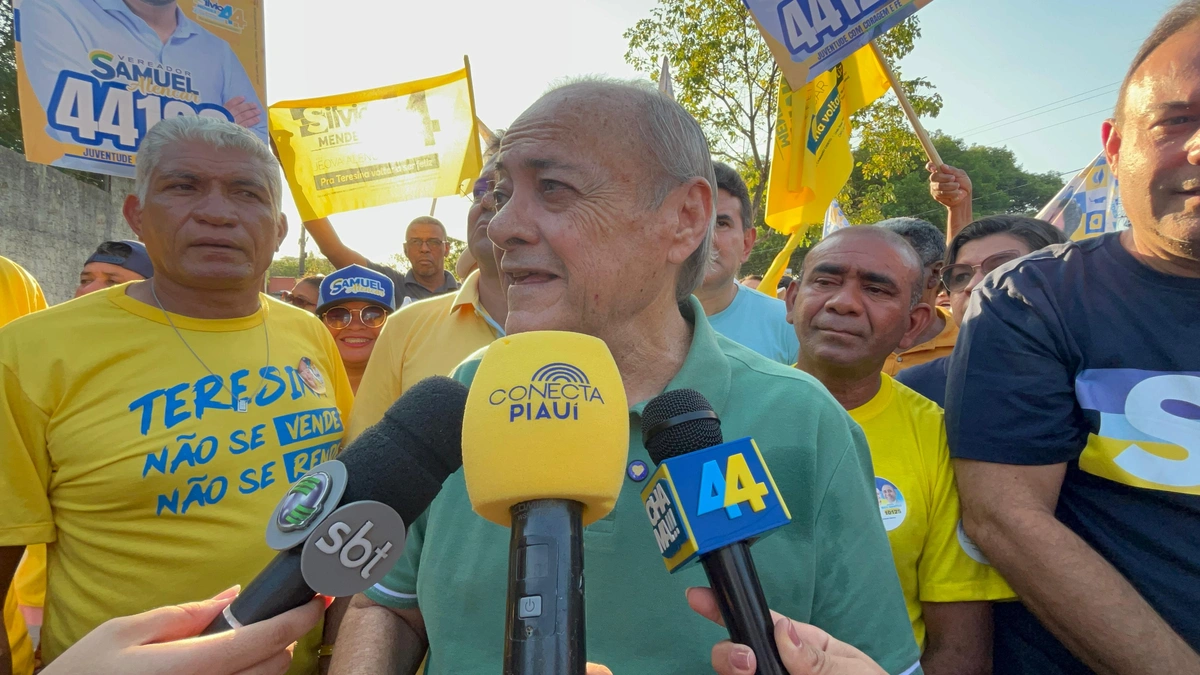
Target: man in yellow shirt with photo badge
858,299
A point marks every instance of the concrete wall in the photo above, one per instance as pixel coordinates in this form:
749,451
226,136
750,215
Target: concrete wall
50,222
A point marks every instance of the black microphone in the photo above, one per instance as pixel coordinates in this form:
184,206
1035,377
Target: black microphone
399,463
681,421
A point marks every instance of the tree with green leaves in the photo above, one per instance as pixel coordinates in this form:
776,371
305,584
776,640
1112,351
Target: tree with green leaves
725,77
1000,185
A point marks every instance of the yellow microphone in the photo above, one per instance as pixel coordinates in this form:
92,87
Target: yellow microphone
545,439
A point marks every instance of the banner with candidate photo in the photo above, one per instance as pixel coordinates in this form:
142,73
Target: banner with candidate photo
1089,205
368,148
95,75
809,37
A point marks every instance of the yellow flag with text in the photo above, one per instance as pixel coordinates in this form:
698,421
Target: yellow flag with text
368,148
812,159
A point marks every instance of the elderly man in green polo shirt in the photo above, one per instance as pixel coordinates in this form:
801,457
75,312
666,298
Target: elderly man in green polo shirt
607,199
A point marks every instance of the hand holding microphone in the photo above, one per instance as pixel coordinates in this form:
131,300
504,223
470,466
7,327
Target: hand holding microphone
161,642
804,649
340,527
545,437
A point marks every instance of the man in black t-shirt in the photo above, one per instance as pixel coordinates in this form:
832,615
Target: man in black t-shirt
1073,405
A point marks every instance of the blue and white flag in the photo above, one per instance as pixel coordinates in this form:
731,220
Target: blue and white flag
1089,205
834,219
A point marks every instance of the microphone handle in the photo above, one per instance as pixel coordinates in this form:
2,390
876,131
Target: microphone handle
734,580
544,625
279,587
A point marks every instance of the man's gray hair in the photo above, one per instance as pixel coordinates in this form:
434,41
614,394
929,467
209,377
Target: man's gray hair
218,133
925,238
680,151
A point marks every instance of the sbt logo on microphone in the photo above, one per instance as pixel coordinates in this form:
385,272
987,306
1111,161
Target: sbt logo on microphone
353,549
708,499
556,391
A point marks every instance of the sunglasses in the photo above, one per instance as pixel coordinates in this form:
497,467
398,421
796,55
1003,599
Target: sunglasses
297,301
371,316
958,276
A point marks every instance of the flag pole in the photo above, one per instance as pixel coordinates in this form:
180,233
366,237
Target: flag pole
922,135
432,207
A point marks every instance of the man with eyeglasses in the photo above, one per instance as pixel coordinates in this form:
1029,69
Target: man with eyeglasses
425,246
354,302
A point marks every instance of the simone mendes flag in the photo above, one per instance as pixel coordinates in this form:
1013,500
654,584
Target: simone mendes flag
95,75
368,148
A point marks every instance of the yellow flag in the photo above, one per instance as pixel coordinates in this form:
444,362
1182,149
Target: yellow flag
392,144
812,159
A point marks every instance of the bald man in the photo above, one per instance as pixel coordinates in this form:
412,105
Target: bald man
858,300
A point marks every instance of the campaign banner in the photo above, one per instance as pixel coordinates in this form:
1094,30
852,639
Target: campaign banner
1089,205
95,75
815,35
380,146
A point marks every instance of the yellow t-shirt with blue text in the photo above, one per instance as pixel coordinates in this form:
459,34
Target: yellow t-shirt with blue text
124,454
918,501
20,294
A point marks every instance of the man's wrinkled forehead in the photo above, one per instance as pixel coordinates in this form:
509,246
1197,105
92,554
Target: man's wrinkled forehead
200,161
573,130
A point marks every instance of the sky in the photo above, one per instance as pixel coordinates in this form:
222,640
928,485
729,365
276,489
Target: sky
1036,76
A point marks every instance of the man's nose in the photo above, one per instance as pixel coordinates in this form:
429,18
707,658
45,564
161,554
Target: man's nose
215,208
513,224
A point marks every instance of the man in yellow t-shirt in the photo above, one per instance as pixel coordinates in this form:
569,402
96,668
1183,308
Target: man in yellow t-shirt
431,337
148,430
20,294
858,299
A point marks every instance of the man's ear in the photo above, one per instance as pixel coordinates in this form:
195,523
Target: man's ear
935,276
749,236
919,319
695,212
1110,136
790,297
281,230
132,210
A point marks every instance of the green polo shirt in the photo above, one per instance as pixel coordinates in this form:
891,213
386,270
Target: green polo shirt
831,566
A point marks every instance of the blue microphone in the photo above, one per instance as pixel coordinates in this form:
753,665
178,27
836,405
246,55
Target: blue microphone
708,501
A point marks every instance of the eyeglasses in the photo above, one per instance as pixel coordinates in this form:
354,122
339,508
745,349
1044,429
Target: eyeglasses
431,243
297,301
371,316
957,277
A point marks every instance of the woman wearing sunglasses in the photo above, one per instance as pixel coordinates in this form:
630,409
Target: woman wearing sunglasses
980,248
354,303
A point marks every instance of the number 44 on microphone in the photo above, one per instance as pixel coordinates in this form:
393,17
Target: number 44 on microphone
708,499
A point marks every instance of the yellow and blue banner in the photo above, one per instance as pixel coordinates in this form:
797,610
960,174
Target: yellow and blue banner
812,159
94,77
708,499
814,35
380,146
1089,205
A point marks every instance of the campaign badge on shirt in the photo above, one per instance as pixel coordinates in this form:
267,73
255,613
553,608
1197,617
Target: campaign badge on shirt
311,376
969,546
891,503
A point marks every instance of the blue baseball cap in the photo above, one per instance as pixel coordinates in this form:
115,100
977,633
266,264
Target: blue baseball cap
125,253
356,283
